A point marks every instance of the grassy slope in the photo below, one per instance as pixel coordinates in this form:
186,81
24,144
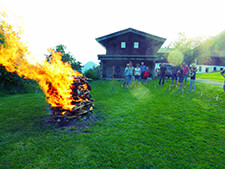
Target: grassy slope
216,76
142,127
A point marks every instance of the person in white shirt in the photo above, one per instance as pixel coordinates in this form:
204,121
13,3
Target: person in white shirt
137,74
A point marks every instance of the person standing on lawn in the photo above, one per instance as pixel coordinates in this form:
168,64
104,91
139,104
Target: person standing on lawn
180,73
137,74
223,74
130,74
142,67
125,76
162,72
174,74
193,71
185,73
146,75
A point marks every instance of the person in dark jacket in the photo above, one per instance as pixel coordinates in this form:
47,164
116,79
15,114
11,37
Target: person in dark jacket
180,76
193,71
223,74
162,72
142,67
174,71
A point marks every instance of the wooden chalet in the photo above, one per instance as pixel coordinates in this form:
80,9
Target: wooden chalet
125,46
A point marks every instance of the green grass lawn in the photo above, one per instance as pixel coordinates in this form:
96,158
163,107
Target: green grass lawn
145,127
216,76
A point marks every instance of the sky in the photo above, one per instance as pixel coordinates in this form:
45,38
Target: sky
76,23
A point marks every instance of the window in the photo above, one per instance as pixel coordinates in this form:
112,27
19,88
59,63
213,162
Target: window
123,44
214,69
136,45
221,69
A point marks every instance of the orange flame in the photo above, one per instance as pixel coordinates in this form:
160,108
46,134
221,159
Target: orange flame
55,78
63,112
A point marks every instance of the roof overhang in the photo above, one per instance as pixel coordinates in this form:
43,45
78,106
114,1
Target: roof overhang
157,38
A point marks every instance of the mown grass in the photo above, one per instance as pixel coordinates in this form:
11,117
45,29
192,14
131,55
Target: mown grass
145,127
216,76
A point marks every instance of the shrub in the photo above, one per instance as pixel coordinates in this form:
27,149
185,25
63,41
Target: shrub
12,83
93,73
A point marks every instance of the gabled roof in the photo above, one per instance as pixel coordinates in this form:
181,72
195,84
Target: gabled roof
133,31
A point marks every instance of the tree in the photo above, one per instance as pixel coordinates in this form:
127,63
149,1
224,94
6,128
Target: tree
219,44
192,48
67,57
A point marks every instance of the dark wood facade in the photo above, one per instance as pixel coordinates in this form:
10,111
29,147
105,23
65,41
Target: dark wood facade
125,46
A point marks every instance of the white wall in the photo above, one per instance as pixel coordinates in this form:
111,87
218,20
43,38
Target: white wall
203,68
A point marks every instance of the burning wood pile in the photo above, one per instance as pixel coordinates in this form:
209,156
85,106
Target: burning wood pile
81,100
66,90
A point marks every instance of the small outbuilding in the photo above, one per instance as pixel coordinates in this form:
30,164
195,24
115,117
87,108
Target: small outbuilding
125,46
214,64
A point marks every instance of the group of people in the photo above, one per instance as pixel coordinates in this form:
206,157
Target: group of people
179,73
140,72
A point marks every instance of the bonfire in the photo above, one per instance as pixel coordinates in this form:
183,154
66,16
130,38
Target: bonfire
66,90
81,100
